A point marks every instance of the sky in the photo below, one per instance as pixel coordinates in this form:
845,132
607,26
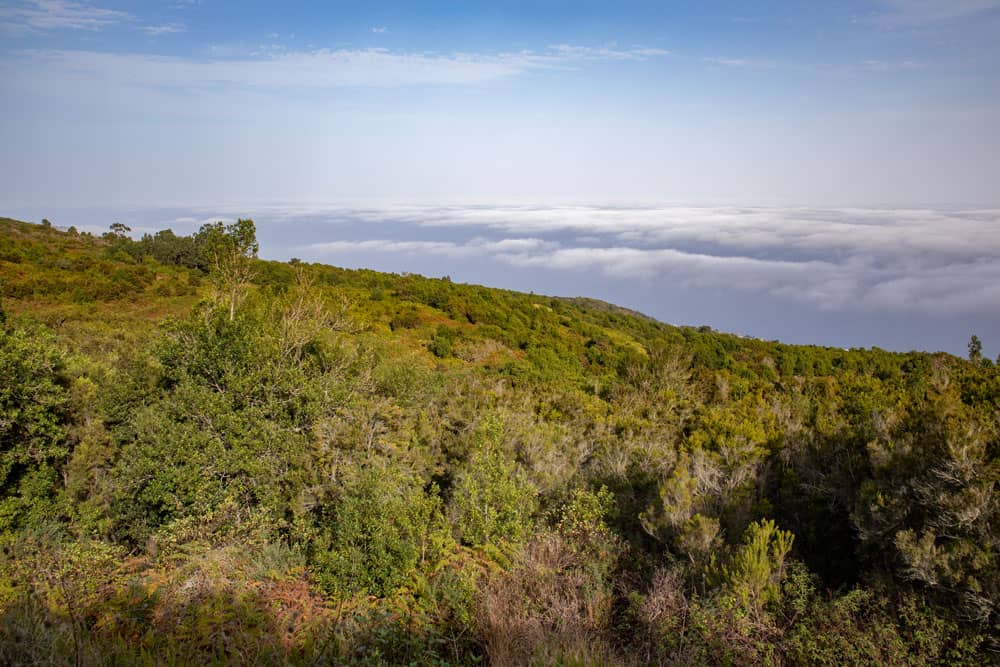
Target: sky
822,172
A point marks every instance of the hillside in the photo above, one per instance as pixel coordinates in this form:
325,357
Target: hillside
211,457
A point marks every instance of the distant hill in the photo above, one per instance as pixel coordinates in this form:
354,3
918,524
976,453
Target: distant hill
51,271
597,304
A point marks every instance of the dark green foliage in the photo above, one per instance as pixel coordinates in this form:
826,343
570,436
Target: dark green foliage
932,495
168,248
443,342
876,627
33,416
407,318
227,432
975,349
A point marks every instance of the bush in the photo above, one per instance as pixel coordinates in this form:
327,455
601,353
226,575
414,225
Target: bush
492,502
382,528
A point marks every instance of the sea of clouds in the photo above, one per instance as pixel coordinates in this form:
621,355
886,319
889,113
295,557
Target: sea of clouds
932,261
897,278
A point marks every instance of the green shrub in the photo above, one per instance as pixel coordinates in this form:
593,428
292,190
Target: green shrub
381,529
492,502
33,420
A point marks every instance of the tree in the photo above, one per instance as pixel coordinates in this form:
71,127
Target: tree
119,230
33,418
231,250
226,442
168,248
754,571
975,349
930,499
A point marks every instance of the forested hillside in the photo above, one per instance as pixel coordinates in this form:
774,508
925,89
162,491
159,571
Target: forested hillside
207,457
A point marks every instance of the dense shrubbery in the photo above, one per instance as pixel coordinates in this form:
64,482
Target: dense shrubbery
252,462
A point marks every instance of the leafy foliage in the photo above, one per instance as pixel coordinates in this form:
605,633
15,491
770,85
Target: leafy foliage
33,415
208,458
492,502
383,529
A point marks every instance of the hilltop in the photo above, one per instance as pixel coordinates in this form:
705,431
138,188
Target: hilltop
62,278
211,457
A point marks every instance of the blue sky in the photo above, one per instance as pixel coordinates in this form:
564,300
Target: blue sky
322,119
890,102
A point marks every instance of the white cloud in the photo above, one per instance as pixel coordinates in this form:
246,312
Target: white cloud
385,245
166,29
507,248
937,262
955,234
306,69
379,29
43,15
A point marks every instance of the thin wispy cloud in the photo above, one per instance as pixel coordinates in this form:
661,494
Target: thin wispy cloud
46,15
570,52
379,29
740,62
312,69
871,65
891,65
166,29
933,11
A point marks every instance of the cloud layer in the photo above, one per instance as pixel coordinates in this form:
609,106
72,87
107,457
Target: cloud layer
923,261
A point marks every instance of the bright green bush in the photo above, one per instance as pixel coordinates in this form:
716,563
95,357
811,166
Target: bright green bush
380,529
492,502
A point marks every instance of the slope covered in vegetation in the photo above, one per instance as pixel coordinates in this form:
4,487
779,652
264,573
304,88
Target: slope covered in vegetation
209,457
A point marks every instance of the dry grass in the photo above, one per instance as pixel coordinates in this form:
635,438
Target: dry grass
548,609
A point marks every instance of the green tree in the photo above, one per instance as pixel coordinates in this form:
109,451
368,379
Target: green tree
229,432
119,230
975,349
168,248
230,250
931,499
753,573
33,416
